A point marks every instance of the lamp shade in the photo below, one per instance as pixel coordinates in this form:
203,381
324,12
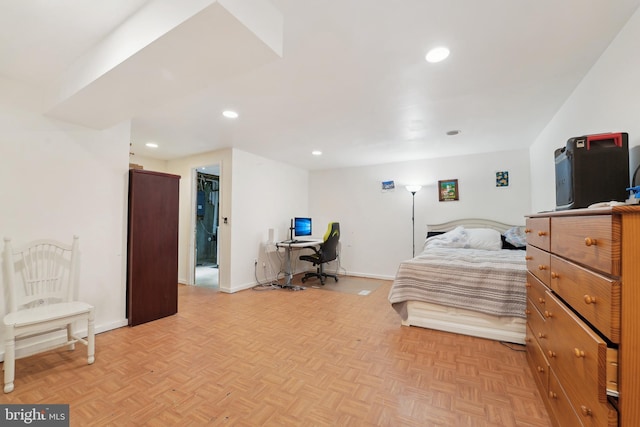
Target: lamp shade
413,188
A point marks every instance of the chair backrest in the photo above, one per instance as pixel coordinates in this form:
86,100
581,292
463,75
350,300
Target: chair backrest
40,272
329,248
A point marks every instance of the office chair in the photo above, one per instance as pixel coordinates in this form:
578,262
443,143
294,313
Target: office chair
327,251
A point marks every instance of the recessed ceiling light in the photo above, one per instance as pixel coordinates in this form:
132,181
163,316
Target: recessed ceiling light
453,132
230,114
316,153
151,145
437,54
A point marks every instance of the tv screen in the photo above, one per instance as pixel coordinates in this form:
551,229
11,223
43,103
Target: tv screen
302,226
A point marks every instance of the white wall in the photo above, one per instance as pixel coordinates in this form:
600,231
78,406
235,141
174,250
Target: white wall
607,100
57,180
266,194
185,168
376,225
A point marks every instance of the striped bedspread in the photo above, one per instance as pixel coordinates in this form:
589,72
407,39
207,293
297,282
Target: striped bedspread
491,282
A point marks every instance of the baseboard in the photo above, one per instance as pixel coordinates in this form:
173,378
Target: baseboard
369,276
238,288
251,285
111,325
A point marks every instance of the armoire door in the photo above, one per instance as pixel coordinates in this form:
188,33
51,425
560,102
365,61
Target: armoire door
152,246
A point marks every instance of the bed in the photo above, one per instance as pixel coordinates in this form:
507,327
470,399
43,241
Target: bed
471,286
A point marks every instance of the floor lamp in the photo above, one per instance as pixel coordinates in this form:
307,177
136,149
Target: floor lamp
413,189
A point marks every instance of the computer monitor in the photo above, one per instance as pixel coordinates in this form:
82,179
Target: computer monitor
302,227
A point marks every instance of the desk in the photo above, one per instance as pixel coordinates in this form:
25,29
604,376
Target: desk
289,246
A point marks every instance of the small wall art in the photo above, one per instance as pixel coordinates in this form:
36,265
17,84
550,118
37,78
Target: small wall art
502,179
388,186
448,190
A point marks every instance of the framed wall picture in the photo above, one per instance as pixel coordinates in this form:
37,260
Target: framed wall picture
388,186
502,179
448,190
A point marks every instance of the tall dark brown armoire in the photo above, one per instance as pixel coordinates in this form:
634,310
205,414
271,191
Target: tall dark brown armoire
152,246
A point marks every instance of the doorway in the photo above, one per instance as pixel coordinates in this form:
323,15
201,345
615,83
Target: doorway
207,213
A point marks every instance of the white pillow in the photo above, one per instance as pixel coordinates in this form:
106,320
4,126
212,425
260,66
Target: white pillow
456,238
516,236
484,238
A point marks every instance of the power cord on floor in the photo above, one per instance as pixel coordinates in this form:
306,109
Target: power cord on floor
509,346
339,267
261,286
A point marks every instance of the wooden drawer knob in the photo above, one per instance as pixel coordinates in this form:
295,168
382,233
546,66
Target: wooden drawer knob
585,411
540,369
554,275
528,257
542,267
588,299
552,395
541,335
542,233
541,300
527,230
578,352
527,312
551,353
548,314
590,242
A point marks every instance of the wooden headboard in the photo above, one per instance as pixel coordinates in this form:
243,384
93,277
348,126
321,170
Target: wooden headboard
470,223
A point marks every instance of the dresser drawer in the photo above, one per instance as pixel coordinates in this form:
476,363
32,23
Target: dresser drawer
536,359
612,372
595,297
592,241
578,358
537,231
536,322
539,263
560,405
536,291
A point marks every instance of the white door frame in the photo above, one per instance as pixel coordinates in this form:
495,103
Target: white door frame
191,276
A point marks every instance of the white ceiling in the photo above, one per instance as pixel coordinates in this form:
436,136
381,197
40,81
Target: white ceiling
352,80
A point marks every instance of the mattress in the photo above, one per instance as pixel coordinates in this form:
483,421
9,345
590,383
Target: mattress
482,281
466,322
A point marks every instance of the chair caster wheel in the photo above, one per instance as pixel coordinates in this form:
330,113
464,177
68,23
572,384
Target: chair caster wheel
336,278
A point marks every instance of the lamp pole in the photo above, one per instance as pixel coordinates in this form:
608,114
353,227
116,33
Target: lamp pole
413,189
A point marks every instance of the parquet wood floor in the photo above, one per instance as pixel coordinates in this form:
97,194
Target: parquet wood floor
283,358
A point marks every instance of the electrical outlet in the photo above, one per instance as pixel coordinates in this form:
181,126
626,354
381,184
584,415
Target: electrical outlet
264,264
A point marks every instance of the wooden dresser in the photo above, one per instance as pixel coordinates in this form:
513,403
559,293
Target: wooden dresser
583,314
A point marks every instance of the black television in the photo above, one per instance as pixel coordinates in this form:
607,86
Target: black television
302,226
592,169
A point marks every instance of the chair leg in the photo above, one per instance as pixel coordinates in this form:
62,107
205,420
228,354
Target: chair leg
316,273
335,277
70,338
321,274
9,361
91,340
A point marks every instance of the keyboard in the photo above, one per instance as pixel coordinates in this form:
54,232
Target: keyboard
298,241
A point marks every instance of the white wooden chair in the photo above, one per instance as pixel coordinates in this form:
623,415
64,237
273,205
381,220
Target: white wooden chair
40,281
